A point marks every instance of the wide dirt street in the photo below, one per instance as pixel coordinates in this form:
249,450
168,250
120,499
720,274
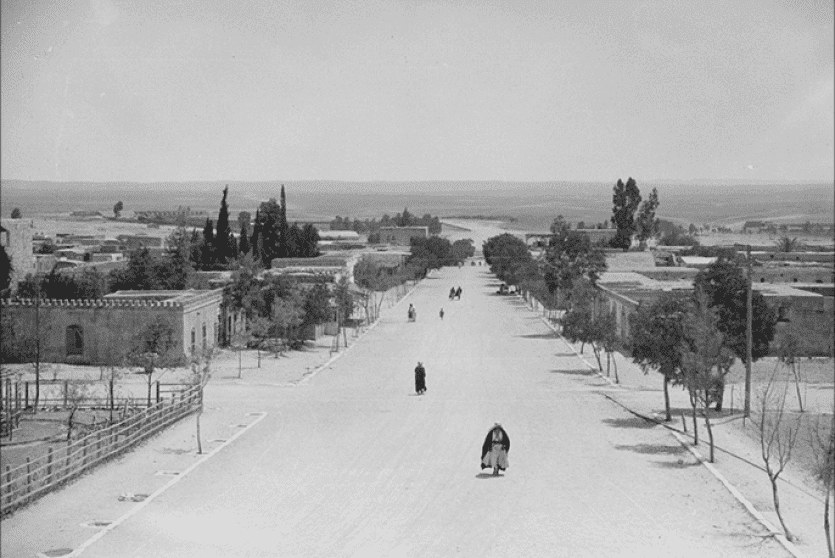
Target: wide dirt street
351,462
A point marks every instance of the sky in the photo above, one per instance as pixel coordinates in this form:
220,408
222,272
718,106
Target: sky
516,90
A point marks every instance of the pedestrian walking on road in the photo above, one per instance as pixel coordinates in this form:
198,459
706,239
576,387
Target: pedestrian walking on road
420,379
494,450
441,313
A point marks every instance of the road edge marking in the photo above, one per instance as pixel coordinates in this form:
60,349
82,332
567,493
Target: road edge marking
86,544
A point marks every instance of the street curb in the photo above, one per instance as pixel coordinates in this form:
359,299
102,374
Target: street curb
330,361
756,514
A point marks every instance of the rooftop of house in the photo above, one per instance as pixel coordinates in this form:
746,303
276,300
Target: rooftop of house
184,296
629,261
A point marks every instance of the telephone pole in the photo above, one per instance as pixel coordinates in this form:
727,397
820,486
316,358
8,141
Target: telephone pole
748,336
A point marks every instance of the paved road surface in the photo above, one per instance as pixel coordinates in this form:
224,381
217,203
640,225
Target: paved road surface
352,463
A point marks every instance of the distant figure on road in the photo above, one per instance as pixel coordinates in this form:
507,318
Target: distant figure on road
458,293
420,379
441,313
412,313
451,293
495,449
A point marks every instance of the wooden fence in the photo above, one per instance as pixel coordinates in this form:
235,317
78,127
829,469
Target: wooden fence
27,482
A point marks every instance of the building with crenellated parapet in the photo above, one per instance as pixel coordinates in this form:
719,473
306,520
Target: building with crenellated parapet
103,331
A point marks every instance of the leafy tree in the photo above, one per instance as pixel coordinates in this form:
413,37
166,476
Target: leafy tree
295,241
268,221
569,257
16,213
309,241
344,299
316,306
207,256
244,292
787,244
117,209
222,233
647,224
140,273
89,284
462,249
373,279
244,218
154,348
243,242
505,253
625,201
657,334
725,287
175,270
6,269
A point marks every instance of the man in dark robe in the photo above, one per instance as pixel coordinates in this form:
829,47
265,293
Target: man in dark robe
420,379
499,437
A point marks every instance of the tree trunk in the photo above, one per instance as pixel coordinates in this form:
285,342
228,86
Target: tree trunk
149,389
608,362
240,350
707,424
667,399
615,366
720,392
797,386
695,423
830,544
199,443
776,497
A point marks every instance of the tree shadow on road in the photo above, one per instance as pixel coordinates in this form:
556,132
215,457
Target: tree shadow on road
654,449
549,335
558,355
577,372
631,422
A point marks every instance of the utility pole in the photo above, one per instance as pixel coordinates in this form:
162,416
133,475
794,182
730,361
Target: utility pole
748,336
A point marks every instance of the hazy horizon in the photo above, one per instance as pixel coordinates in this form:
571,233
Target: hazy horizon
533,204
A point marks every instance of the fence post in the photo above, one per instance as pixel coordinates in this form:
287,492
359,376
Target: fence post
49,466
98,444
26,397
67,464
28,475
84,452
9,484
66,389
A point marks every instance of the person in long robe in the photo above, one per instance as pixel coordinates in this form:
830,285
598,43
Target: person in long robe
494,450
420,379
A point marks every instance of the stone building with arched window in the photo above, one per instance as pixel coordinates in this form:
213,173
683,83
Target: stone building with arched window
103,331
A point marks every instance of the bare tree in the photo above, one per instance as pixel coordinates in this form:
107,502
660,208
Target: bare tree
777,439
239,342
110,377
789,355
700,355
201,372
76,395
822,442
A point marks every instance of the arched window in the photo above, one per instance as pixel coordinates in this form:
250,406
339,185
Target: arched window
75,340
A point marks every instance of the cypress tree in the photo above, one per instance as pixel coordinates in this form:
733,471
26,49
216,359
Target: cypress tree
282,226
222,235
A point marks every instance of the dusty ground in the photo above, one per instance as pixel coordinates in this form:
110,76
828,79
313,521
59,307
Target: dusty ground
348,461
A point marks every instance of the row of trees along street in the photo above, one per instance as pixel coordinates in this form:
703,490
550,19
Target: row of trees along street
691,339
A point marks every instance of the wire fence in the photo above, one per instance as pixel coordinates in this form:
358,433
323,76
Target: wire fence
25,483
